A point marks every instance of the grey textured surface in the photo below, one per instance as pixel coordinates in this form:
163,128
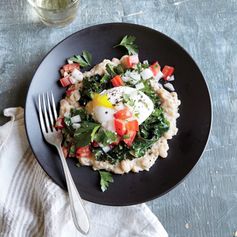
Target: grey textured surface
205,204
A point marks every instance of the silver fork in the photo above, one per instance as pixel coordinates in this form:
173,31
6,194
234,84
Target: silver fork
55,137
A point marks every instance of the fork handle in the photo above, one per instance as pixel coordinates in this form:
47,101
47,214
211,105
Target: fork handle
78,211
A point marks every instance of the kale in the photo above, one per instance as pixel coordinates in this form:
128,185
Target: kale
83,114
91,85
140,146
149,132
154,126
105,137
149,91
68,129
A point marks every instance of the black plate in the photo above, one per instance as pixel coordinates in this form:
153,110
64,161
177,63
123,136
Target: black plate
185,148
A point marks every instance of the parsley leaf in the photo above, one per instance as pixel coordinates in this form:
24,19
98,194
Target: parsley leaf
87,56
84,60
105,137
105,179
128,43
85,133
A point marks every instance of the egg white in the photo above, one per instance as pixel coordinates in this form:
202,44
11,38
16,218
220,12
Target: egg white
141,105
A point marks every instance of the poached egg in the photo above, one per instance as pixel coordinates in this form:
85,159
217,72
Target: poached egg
108,102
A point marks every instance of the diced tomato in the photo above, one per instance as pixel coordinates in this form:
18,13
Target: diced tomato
59,123
155,68
120,126
69,92
167,71
65,151
131,135
123,113
130,61
65,81
70,67
83,152
132,125
117,81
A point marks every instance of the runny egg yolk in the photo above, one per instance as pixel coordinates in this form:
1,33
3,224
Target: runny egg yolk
102,100
102,110
99,100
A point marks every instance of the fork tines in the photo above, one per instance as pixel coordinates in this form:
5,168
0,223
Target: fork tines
48,115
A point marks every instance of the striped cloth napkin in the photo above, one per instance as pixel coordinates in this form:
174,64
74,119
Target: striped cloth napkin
32,205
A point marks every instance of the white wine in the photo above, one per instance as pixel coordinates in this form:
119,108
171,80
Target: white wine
53,4
56,12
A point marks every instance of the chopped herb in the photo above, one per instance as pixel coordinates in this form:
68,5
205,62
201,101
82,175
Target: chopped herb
93,134
154,126
84,134
126,136
68,129
105,78
140,146
127,100
149,91
140,66
105,179
72,150
105,137
78,165
128,43
110,70
83,114
84,60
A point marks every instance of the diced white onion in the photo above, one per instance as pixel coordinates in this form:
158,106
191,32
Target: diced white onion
132,77
76,119
72,80
145,62
106,148
125,78
119,106
146,73
139,86
69,61
136,76
159,75
169,86
116,61
76,125
66,114
65,74
76,74
156,84
171,78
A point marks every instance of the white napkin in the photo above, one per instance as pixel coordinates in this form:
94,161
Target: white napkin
32,205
